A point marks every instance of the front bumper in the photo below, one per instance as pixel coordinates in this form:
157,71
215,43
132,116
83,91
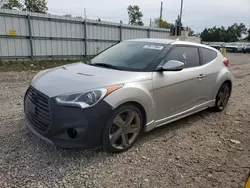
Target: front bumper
87,124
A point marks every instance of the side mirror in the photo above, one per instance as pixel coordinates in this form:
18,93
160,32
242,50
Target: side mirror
172,65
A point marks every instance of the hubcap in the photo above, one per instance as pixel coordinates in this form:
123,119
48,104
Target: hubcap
124,129
223,97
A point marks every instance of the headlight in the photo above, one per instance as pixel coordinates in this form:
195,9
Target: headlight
86,99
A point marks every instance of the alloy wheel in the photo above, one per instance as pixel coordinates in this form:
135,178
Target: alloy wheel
125,128
223,96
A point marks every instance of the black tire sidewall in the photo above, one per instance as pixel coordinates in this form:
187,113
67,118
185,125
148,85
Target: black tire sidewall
106,145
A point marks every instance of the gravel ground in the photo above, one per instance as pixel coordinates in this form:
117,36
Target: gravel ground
204,150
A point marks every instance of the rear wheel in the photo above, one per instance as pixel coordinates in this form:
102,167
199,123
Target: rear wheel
123,129
222,97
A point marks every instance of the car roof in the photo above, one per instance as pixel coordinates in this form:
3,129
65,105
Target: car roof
193,44
153,40
170,41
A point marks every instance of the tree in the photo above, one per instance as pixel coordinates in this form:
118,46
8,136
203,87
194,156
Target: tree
240,30
80,17
67,15
135,15
162,23
235,32
39,6
13,4
231,34
248,37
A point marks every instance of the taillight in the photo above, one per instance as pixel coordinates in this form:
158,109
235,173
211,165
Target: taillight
226,62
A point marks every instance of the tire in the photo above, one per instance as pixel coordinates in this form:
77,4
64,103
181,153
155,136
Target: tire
115,138
222,97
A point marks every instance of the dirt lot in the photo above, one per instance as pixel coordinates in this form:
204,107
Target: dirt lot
205,150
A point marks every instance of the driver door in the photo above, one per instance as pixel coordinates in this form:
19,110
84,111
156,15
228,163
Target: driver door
177,92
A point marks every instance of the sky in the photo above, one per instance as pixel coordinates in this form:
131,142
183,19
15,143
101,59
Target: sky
197,14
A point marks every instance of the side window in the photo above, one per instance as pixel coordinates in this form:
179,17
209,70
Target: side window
188,55
208,55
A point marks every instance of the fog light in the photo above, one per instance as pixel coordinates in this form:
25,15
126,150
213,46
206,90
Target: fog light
72,133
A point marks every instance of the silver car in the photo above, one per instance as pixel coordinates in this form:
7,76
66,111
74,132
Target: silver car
134,86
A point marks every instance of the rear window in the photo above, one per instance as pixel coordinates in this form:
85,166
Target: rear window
208,55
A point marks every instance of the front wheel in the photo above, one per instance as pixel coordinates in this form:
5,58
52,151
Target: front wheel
122,129
222,97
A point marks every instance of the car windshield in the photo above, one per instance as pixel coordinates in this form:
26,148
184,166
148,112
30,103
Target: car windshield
129,55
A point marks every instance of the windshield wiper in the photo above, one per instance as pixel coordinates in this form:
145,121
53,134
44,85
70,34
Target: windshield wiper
105,65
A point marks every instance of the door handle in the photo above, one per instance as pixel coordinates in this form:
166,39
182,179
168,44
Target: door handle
201,76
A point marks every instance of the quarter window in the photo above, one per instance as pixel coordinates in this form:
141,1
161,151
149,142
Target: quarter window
208,55
188,55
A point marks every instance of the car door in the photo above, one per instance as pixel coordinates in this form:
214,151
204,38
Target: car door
176,92
208,72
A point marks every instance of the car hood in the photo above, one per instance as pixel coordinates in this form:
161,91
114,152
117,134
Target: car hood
80,77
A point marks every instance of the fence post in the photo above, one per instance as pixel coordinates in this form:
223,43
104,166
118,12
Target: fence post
30,38
148,32
85,38
120,33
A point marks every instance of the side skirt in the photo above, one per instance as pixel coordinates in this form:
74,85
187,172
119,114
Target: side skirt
153,124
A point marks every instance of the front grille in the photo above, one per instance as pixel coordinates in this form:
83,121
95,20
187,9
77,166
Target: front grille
40,119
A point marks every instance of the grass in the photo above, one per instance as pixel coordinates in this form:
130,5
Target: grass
34,65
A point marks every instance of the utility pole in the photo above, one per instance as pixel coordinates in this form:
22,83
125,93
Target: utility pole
181,17
85,14
181,10
175,30
161,14
150,24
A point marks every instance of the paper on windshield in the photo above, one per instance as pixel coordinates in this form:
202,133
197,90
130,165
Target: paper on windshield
153,47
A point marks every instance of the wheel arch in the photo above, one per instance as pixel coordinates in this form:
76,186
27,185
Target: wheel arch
228,82
140,107
223,77
139,97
